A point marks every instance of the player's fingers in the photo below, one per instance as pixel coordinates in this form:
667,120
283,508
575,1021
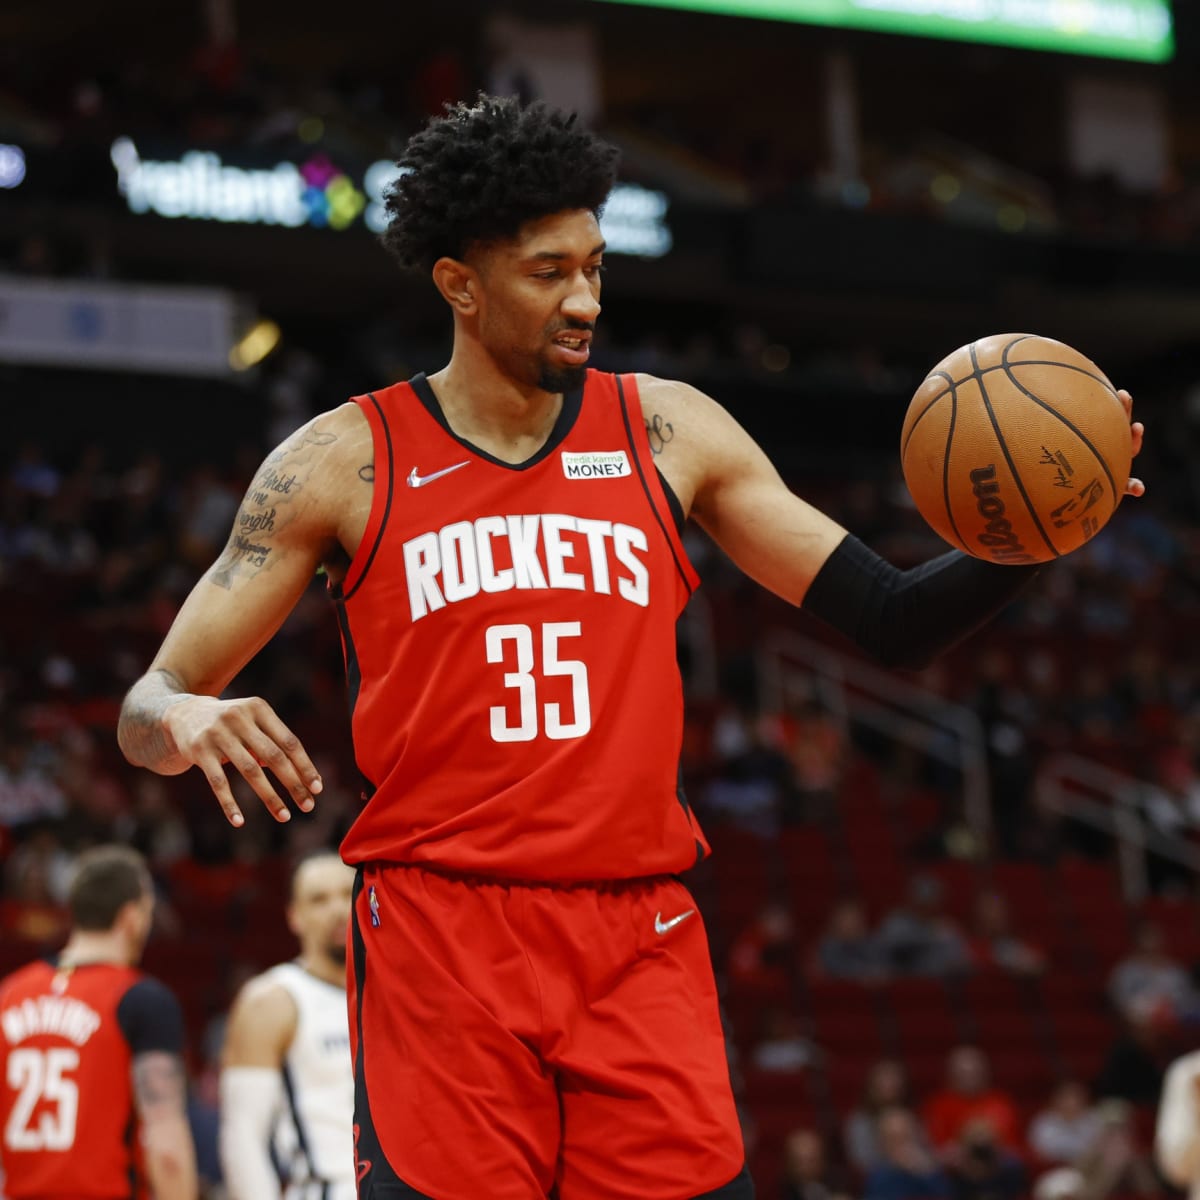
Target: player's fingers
1126,400
243,760
214,773
289,760
1138,432
275,757
1135,487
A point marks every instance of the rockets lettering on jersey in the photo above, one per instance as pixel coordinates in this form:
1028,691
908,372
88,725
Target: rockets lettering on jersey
509,635
496,554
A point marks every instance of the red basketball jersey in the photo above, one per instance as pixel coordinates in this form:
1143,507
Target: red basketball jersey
509,633
66,1097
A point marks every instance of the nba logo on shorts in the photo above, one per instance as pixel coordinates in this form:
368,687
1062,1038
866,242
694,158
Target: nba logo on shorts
373,905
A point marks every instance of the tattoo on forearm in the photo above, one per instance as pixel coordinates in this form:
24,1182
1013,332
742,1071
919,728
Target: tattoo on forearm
140,729
158,1084
367,473
660,433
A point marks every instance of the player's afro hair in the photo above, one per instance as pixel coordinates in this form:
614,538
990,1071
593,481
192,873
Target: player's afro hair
482,170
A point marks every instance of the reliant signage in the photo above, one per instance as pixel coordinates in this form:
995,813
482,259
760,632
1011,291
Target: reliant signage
318,193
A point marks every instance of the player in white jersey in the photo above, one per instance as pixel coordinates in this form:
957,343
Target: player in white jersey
287,1085
1177,1126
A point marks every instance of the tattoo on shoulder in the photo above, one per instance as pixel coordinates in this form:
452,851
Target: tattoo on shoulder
660,433
268,506
158,1082
304,440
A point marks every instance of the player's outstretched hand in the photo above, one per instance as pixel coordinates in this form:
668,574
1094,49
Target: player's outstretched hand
247,733
1135,487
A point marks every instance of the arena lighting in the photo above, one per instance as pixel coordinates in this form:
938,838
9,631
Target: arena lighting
200,186
12,165
1142,30
254,345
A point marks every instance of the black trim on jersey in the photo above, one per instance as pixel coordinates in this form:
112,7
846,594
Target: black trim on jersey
353,670
567,416
378,1181
672,502
289,1088
687,583
150,1018
681,796
136,1191
387,507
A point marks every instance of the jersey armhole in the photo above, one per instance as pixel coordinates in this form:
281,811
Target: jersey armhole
657,491
381,497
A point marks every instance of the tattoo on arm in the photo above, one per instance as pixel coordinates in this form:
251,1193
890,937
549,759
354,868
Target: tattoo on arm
140,729
268,507
158,1085
367,473
660,432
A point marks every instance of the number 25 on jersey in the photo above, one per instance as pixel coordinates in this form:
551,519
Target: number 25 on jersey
515,645
41,1080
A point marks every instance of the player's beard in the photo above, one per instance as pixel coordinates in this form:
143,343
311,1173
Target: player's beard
556,380
336,953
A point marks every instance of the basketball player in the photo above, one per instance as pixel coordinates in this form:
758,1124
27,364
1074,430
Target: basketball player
93,1098
533,1005
1177,1127
287,1087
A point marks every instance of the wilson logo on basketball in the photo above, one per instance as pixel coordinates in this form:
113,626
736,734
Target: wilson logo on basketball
998,535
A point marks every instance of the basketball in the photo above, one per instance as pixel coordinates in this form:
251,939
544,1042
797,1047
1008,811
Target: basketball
1016,448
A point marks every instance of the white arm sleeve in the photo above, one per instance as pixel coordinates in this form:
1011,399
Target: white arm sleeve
1177,1135
251,1099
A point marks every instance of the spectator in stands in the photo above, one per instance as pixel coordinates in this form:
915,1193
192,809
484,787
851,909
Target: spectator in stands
32,909
1060,1183
886,1087
981,1167
1065,1129
763,953
847,948
807,1173
752,782
28,791
908,1169
782,1045
995,944
1151,976
154,825
919,937
1137,1058
814,745
754,779
968,1096
1116,1165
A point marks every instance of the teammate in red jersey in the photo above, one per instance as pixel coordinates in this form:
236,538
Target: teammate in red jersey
532,1000
92,1098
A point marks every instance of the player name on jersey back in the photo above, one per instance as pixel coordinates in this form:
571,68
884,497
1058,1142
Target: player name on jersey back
529,551
62,1016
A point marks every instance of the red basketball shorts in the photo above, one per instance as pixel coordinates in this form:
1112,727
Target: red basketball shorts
514,1039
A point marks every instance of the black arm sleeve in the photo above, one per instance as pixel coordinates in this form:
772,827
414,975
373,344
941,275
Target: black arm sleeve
150,1018
907,618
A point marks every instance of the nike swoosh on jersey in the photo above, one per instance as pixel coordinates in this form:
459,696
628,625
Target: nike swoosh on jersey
661,926
415,480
